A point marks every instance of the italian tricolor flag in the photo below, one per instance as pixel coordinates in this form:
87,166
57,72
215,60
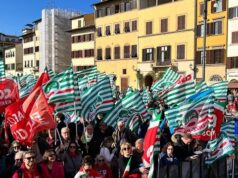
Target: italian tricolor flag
127,170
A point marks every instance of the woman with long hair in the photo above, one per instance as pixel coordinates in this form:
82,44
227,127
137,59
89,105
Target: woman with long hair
50,167
72,160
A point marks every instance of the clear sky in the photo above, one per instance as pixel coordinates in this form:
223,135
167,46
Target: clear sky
15,14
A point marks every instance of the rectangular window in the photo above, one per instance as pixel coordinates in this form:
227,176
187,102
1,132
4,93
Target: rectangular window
134,25
134,51
37,63
181,22
234,38
99,13
117,52
200,30
201,9
127,27
217,56
108,30
233,12
217,28
126,51
124,71
108,53
91,37
99,54
164,55
99,31
79,23
108,10
12,66
117,28
148,28
117,8
164,25
37,49
232,62
128,6
180,51
218,6
148,54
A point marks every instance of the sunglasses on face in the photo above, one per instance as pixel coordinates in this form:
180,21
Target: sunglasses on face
51,155
72,146
30,158
18,159
16,147
126,148
100,160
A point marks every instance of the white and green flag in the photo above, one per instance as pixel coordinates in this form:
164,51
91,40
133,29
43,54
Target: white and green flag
97,99
60,88
2,69
219,148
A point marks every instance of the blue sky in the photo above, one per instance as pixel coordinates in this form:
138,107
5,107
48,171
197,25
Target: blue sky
15,14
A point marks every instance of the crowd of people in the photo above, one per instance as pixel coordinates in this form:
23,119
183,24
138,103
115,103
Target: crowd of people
92,149
96,151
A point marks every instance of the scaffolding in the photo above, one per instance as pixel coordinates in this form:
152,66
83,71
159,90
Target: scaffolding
55,41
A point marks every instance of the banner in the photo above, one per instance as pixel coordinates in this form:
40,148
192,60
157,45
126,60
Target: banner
30,116
8,93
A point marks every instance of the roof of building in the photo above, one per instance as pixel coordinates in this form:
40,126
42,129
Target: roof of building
37,21
104,2
81,28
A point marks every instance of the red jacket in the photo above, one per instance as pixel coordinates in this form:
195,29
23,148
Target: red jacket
26,173
57,170
104,171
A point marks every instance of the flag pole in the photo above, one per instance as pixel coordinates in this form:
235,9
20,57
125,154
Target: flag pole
233,168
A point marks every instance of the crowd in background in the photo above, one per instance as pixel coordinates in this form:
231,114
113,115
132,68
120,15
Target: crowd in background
94,149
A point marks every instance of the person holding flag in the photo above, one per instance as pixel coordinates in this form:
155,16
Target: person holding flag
129,165
87,170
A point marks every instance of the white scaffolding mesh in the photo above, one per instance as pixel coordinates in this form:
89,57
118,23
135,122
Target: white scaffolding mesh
55,42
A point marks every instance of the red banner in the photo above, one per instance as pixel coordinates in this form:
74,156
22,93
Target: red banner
30,116
8,93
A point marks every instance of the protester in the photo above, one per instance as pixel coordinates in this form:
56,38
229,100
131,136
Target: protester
60,117
39,147
136,168
29,168
72,160
51,140
89,142
168,157
63,144
104,131
87,170
106,149
15,147
123,134
138,151
102,167
17,164
183,146
51,168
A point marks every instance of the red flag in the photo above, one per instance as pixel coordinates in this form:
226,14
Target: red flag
30,116
42,80
37,109
8,93
150,139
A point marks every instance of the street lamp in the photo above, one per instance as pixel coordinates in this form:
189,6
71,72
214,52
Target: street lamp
204,36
